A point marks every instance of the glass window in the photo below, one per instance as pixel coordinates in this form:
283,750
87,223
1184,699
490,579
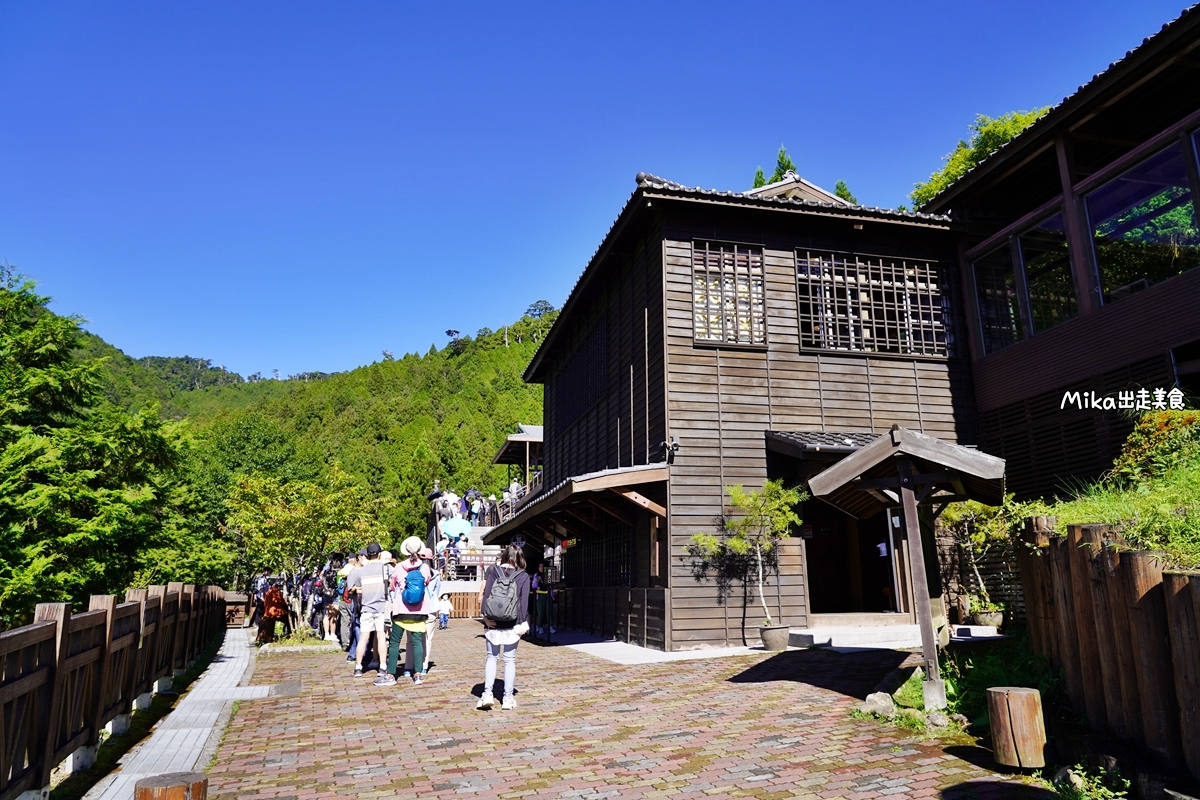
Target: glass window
1144,225
728,301
999,307
1048,274
872,304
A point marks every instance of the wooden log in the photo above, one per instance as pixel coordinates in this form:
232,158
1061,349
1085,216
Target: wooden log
1152,655
1018,730
1090,673
1106,655
1032,560
1182,590
172,786
1064,620
1122,643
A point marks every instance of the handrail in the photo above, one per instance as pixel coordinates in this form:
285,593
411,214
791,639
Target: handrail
69,675
507,509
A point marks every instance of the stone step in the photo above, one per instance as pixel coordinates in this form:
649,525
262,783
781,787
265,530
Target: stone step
974,631
884,637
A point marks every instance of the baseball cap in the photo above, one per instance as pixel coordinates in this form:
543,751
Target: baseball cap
363,552
373,549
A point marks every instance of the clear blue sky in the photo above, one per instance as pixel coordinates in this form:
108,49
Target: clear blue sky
298,186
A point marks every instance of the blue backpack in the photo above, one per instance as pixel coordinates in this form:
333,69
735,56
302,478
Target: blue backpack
414,588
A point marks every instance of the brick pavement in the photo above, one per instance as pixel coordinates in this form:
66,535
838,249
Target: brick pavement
749,726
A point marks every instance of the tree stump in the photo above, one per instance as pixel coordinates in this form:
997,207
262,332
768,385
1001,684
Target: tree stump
172,786
1018,733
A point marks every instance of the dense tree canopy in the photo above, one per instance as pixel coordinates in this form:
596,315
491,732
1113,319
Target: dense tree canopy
987,136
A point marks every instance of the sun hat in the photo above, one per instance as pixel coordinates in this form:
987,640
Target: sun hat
412,545
386,555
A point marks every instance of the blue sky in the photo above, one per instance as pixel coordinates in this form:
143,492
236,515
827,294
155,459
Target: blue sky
299,186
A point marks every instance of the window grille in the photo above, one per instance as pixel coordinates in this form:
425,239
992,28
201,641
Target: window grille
872,304
728,299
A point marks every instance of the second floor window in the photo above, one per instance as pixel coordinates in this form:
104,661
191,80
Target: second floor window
728,298
872,304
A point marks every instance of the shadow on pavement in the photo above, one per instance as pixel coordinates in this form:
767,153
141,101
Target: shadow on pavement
852,674
979,756
995,790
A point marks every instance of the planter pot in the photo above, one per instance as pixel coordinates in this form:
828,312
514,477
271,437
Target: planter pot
774,637
992,619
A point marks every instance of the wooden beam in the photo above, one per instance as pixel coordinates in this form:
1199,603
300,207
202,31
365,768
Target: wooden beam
590,523
640,501
612,512
918,479
622,479
568,528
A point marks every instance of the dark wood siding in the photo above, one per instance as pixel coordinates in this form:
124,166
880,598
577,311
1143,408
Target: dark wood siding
626,307
721,401
1143,326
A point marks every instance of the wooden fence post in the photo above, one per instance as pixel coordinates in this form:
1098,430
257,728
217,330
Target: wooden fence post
1182,591
1152,652
1064,618
1094,537
1033,562
1086,628
1118,610
106,603
58,613
1018,731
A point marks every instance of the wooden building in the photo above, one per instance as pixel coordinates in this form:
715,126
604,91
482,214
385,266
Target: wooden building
721,338
1077,241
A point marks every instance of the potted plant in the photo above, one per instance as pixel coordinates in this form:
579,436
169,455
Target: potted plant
743,548
985,612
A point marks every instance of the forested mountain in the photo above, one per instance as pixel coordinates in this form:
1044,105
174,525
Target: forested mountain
122,471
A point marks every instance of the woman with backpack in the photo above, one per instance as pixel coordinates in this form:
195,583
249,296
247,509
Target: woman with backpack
410,610
506,615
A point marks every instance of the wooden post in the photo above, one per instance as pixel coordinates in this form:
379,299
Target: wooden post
1106,652
1064,619
1118,609
172,786
1018,732
1085,629
104,672
934,689
1182,590
1152,652
48,727
1032,558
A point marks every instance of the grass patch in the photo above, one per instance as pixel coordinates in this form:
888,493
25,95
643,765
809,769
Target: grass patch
911,694
969,672
112,748
302,636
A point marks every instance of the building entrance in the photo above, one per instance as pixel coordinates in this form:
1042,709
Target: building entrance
850,563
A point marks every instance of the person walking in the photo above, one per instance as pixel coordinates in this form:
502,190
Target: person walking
445,609
410,610
433,588
506,615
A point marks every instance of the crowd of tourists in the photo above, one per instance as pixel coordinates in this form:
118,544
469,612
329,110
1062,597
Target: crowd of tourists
376,604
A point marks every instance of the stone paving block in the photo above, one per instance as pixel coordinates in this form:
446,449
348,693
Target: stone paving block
764,726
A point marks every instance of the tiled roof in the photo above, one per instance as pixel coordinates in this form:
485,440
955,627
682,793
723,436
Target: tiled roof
648,181
812,440
1052,117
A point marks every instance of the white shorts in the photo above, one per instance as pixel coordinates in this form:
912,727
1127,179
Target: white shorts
373,621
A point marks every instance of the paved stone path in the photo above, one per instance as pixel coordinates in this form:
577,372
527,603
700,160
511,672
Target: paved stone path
765,726
179,738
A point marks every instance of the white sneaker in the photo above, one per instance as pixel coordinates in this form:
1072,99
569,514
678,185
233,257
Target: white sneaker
485,703
509,704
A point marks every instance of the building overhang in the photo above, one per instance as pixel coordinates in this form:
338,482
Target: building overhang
559,512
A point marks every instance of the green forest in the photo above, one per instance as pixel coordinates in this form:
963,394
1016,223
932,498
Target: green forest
121,472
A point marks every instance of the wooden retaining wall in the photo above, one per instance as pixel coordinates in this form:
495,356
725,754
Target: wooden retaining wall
1125,632
66,676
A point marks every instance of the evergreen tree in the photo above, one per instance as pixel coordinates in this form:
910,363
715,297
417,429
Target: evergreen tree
759,178
783,164
843,191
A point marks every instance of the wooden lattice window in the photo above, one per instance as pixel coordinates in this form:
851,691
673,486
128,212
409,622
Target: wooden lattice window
872,304
728,298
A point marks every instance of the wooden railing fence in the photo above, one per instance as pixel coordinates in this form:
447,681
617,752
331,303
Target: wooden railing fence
66,676
1125,633
635,616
